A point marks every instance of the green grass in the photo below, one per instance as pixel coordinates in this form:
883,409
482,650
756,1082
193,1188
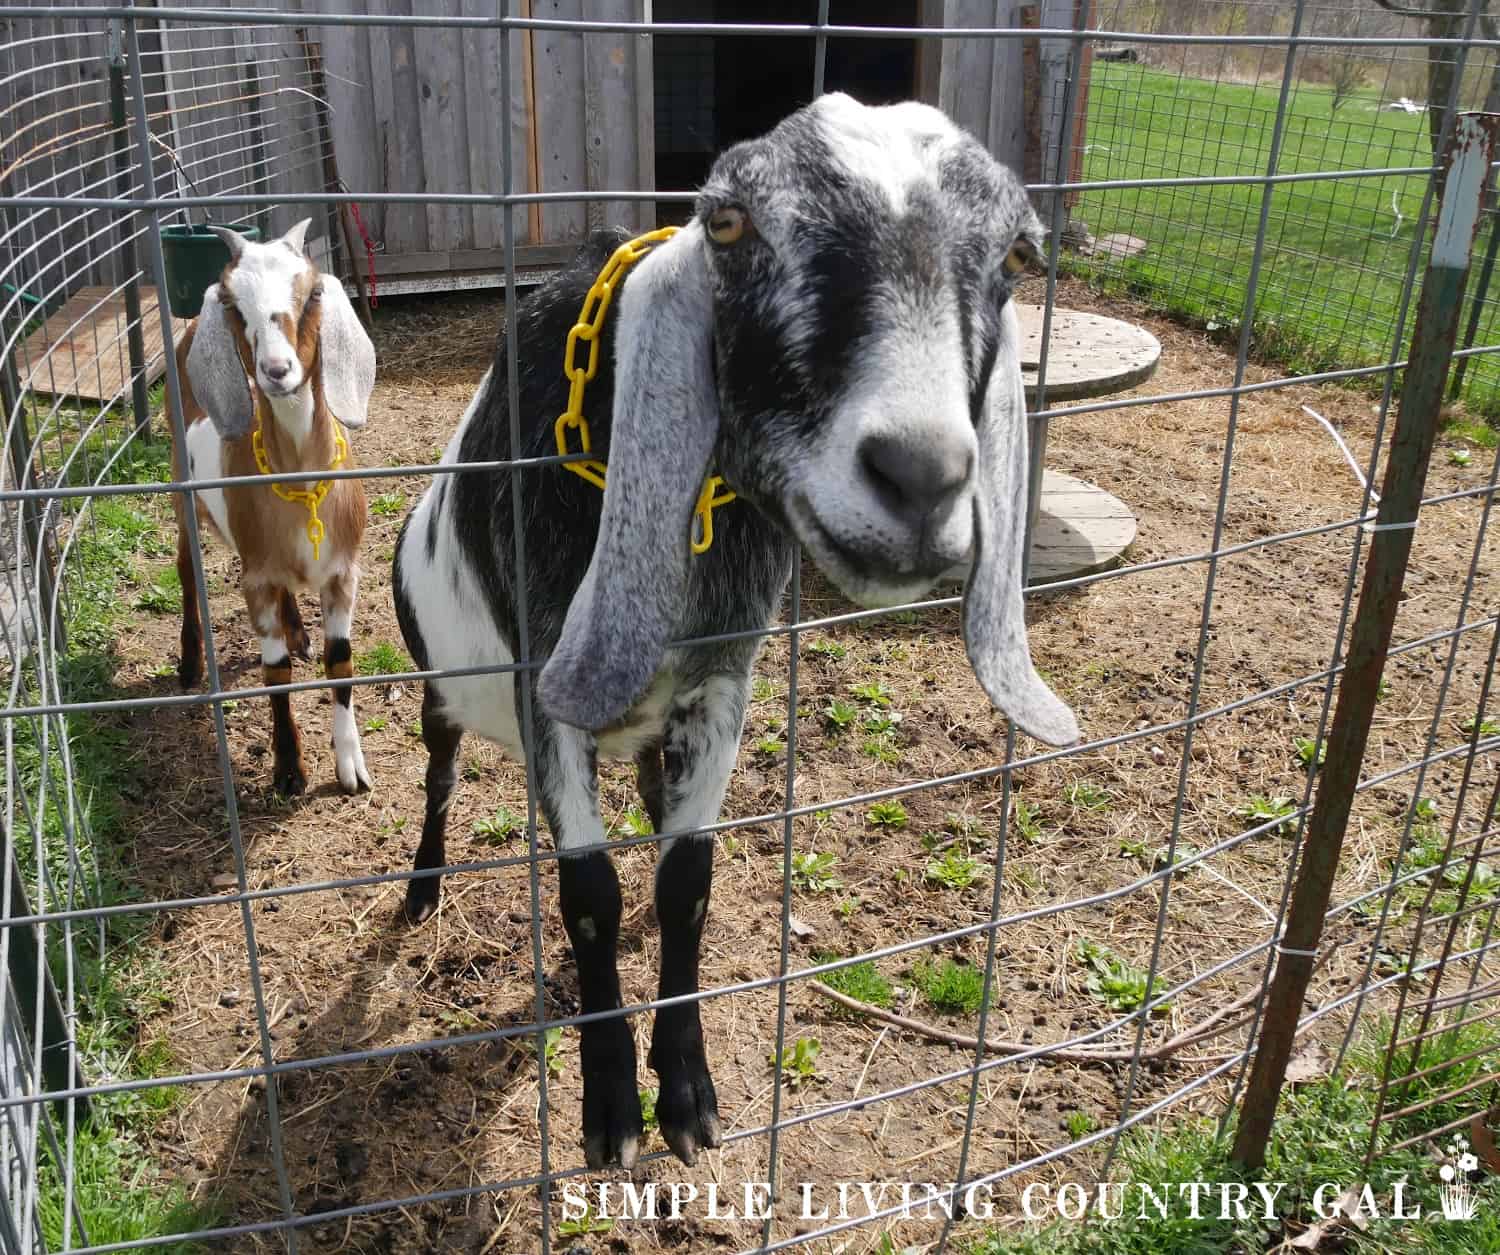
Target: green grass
1332,272
862,981
119,1192
950,986
1321,1134
382,658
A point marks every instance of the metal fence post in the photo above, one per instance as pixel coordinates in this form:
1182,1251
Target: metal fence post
129,270
1463,171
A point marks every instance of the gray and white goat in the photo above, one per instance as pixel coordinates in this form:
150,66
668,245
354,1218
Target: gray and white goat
832,333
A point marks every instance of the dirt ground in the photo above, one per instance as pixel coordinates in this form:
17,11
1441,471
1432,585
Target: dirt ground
343,973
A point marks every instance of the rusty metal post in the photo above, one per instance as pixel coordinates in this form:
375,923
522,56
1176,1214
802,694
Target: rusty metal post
1463,171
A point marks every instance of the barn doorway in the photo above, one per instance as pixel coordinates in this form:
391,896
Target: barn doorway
714,90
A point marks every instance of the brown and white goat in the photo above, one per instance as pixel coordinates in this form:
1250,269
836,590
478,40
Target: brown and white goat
277,351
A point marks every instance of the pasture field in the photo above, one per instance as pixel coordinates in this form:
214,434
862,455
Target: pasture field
1336,255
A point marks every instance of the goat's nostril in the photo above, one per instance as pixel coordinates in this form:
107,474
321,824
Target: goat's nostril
915,477
277,370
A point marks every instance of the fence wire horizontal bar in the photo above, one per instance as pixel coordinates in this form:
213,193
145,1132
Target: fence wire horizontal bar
124,204
266,17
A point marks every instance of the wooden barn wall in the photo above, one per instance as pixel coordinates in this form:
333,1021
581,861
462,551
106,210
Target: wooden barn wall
1010,92
55,140
421,111
226,107
236,105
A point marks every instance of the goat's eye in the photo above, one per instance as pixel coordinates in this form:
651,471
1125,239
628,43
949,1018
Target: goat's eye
317,292
1020,256
727,225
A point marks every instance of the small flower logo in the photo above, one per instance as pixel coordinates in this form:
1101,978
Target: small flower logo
1456,1194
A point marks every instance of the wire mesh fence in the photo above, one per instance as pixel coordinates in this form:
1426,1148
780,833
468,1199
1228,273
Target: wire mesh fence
943,964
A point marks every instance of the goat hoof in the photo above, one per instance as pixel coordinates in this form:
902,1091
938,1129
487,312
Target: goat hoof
353,775
422,899
290,781
612,1129
688,1112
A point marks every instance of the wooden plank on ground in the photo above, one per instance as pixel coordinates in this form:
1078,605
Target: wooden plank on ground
82,351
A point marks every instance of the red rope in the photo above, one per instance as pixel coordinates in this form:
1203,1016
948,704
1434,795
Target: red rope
359,225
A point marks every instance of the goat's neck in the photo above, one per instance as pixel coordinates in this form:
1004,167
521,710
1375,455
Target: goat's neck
297,431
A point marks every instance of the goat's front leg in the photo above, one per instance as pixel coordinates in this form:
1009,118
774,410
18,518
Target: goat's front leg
337,596
289,776
698,752
190,669
590,899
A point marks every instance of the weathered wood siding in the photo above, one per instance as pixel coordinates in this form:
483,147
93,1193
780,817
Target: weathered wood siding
421,111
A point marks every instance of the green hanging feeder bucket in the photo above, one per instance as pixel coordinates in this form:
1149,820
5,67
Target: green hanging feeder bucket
194,258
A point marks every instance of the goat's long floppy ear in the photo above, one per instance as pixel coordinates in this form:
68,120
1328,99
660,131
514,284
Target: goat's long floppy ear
666,419
216,371
345,356
994,621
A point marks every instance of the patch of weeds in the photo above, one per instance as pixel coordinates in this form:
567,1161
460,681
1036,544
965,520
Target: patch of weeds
840,714
388,504
861,981
648,1108
163,595
382,658
762,690
1486,727
633,822
1472,430
831,650
887,814
376,724
1306,748
770,746
872,694
584,1225
1087,796
1079,1124
1259,810
499,827
551,1046
847,907
955,870
459,1019
1027,818
1115,981
813,872
799,1061
1426,810
1425,853
1459,457
1382,689
882,722
950,986
883,749
116,1193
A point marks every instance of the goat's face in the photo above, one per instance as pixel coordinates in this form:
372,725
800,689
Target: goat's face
859,260
274,319
833,331
272,295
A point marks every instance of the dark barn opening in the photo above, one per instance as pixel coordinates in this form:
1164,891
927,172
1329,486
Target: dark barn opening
712,91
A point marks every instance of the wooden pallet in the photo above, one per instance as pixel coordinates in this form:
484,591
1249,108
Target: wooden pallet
1079,530
82,350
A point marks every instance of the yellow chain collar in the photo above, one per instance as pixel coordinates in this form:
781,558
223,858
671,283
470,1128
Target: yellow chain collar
312,497
590,323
